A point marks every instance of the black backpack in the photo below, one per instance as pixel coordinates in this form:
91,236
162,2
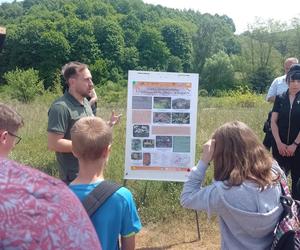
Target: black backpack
99,195
287,231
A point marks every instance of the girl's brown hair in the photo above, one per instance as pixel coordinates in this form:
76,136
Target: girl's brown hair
239,155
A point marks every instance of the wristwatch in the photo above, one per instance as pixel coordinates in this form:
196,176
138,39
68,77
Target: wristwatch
297,144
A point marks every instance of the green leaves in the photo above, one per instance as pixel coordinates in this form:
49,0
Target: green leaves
154,53
24,85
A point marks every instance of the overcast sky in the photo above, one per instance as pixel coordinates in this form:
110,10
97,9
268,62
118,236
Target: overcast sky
243,12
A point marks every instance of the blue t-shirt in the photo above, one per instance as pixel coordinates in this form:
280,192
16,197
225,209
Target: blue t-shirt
117,216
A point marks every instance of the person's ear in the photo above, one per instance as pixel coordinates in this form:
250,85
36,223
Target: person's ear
71,81
106,151
3,136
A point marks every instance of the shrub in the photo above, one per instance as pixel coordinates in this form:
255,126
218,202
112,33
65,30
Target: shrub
218,73
24,85
203,92
111,92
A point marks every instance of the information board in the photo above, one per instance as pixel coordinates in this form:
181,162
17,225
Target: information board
161,125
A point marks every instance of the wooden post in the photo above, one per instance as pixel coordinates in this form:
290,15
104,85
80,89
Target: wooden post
197,222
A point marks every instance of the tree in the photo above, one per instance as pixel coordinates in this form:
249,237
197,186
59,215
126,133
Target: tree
210,38
109,36
131,26
175,64
262,61
179,42
261,78
153,51
131,59
218,73
10,12
99,70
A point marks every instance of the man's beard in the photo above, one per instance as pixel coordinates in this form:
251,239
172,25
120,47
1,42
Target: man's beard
86,95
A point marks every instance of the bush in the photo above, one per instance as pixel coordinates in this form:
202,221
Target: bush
203,92
24,85
111,92
218,73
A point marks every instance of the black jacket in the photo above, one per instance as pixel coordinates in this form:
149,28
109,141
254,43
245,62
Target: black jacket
288,117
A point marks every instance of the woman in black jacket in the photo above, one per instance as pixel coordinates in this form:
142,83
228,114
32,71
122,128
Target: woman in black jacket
285,124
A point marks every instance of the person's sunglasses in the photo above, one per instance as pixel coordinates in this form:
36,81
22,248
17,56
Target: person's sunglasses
18,138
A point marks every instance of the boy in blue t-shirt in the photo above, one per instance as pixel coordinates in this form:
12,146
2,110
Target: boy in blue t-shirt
91,142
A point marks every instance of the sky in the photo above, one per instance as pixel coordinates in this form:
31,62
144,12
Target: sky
242,12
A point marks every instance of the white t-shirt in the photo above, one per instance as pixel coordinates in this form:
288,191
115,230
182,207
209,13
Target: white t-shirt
278,87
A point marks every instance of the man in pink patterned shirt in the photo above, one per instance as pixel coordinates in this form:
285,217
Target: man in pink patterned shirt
37,211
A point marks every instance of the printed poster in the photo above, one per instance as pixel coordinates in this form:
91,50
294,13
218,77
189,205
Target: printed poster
161,125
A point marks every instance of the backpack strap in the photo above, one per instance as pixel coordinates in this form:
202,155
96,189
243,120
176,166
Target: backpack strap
284,187
282,180
99,195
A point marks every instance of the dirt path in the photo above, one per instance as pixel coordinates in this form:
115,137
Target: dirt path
179,236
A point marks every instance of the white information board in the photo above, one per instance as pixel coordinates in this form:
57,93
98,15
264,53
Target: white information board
161,125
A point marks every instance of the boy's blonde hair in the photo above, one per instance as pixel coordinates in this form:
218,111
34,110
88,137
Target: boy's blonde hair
90,136
10,120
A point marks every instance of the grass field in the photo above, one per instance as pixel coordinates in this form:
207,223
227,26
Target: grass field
158,202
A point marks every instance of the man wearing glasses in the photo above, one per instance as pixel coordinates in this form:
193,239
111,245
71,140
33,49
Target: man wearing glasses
10,122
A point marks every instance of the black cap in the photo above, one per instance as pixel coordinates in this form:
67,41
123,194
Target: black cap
294,73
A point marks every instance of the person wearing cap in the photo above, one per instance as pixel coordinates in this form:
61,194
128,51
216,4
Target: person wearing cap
285,124
278,87
37,211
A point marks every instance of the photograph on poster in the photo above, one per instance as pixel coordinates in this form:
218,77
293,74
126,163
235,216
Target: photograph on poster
161,117
146,159
181,144
181,118
181,103
164,141
141,131
162,103
136,156
141,102
136,145
148,143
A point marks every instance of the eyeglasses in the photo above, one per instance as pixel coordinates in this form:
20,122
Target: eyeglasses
18,138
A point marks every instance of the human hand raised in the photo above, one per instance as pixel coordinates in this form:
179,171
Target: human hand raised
114,119
208,151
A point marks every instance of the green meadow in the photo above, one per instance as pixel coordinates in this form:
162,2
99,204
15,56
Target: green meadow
156,201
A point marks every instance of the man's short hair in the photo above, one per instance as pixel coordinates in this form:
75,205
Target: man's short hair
10,120
291,59
90,136
70,69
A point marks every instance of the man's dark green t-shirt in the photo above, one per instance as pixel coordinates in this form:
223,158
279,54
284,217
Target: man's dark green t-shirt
62,115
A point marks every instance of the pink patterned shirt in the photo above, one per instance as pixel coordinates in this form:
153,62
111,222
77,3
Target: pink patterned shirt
40,212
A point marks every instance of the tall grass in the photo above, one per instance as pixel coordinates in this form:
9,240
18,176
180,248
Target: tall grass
156,201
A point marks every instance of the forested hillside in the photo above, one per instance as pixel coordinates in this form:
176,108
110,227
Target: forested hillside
114,36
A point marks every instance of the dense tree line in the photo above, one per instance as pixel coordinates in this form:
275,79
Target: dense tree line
114,36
